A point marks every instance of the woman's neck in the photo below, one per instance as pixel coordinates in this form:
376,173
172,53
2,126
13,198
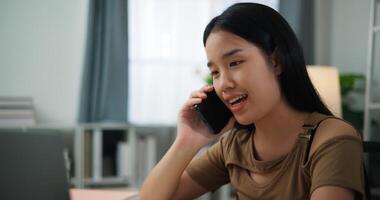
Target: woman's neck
280,124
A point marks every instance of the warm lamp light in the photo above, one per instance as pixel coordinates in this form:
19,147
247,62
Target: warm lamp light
326,81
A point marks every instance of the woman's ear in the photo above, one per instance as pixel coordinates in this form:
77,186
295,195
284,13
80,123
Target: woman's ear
277,67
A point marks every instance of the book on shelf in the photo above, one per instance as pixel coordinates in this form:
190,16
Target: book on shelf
17,122
17,111
123,160
145,157
150,153
16,102
88,153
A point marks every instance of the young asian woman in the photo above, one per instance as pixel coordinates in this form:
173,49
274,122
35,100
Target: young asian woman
265,151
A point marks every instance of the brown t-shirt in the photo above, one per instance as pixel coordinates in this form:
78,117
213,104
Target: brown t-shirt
231,160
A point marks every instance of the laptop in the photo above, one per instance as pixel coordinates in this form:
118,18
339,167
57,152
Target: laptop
32,166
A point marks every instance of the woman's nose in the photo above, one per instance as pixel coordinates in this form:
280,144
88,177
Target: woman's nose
226,82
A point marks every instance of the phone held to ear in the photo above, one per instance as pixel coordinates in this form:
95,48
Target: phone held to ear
213,112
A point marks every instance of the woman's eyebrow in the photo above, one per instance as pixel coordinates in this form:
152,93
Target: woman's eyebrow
227,54
231,52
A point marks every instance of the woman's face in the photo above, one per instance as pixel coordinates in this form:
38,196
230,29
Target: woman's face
243,76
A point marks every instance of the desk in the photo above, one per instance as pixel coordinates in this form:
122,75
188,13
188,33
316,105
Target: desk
90,194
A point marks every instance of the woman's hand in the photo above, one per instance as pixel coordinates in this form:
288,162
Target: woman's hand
191,129
192,134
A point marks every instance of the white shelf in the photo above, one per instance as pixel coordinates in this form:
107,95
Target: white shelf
368,105
374,106
376,29
104,181
79,152
97,159
61,127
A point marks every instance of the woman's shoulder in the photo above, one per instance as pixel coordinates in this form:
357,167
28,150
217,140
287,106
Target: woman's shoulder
333,129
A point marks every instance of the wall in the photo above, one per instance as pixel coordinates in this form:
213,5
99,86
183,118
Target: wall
349,38
42,54
342,37
323,25
342,34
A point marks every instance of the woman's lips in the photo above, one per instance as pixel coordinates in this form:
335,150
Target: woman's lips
235,108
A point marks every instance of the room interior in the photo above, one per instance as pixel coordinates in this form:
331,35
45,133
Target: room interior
110,76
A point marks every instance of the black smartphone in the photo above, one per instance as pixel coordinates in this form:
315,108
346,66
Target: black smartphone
213,112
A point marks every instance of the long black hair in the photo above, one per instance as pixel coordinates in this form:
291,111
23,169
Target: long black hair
267,29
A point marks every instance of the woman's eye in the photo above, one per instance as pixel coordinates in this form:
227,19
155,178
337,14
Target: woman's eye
234,63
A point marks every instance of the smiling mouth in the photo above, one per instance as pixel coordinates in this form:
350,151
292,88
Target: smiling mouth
238,100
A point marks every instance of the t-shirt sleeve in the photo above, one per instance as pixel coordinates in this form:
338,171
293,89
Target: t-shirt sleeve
338,162
209,169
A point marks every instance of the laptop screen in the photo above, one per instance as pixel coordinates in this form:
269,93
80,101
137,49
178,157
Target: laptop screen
32,166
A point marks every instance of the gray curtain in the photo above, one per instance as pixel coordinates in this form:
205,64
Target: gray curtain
105,78
300,16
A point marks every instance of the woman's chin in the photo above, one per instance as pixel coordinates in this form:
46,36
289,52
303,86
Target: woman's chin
244,121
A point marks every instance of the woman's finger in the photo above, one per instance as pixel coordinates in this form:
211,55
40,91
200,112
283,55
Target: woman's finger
198,94
202,93
207,88
191,102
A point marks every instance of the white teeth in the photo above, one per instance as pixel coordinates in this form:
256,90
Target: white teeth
236,99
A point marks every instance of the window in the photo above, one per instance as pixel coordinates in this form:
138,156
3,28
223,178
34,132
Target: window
167,59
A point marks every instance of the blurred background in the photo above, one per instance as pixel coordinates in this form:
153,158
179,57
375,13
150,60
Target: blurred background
111,75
